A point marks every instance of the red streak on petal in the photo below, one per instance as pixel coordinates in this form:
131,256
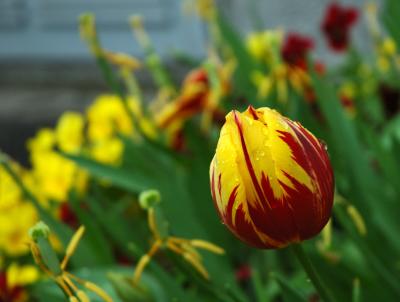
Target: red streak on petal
242,228
248,160
253,112
320,169
304,205
276,222
245,230
298,154
229,207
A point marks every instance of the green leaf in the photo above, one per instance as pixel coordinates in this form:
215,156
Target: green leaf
289,293
119,176
245,63
93,235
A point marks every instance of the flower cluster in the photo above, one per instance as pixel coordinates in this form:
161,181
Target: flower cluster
14,207
271,179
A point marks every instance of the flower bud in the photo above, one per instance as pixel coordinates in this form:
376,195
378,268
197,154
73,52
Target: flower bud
271,179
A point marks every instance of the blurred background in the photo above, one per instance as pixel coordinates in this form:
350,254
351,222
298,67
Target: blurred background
45,69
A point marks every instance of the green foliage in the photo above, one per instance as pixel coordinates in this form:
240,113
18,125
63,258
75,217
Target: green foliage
360,261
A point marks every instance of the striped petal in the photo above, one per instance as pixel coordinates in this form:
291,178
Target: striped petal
271,179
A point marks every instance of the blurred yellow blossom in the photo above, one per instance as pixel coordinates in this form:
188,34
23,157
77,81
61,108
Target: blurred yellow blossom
107,151
53,175
263,83
44,141
389,47
69,132
265,46
10,194
14,226
16,215
21,275
107,116
348,89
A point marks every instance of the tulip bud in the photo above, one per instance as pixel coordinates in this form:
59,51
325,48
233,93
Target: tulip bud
271,179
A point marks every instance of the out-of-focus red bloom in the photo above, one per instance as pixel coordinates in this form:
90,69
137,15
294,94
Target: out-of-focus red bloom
67,216
346,102
10,294
243,273
336,25
192,100
295,49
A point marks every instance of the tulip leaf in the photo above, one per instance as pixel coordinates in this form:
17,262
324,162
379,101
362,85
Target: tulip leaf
93,234
289,293
118,176
391,17
245,65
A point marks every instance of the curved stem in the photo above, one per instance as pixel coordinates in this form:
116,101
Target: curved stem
312,273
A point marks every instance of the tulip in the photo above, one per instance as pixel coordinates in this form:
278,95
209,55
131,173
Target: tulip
336,25
271,179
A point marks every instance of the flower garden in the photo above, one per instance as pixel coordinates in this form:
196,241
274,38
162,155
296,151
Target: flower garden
264,175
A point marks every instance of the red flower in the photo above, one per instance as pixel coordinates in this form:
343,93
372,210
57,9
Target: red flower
7,294
271,179
295,49
67,215
243,273
336,25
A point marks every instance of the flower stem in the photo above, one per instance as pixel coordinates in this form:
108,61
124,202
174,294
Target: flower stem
312,273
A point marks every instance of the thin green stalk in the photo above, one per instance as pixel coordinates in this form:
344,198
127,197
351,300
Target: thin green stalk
312,273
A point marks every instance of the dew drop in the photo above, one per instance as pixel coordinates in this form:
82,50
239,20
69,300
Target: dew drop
323,143
259,154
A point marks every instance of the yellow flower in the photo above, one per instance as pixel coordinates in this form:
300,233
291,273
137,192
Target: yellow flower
107,151
10,194
280,78
265,46
271,179
53,176
107,116
263,82
16,215
348,89
56,176
69,132
14,226
388,47
43,141
21,275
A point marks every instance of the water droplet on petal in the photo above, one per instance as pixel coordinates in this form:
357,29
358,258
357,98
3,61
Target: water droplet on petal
323,143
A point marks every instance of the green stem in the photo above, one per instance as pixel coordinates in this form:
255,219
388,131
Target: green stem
312,273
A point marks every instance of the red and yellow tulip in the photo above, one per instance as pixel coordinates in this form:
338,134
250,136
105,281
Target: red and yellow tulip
271,179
